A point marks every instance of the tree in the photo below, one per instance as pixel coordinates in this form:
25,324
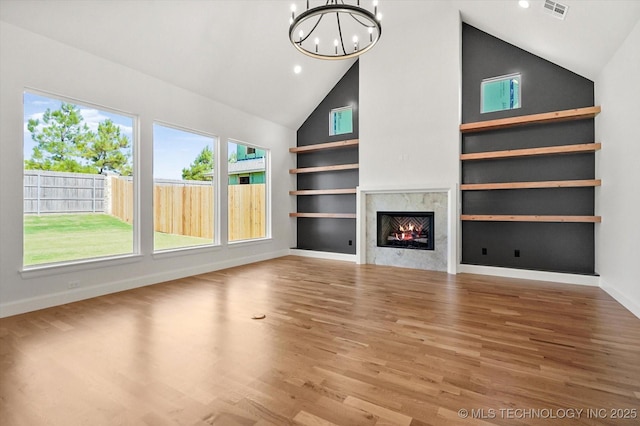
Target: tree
109,149
59,141
201,165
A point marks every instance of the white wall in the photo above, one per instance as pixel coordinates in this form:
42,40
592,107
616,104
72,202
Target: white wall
410,103
409,99
618,92
30,61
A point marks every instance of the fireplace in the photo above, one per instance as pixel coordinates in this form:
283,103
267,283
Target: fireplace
405,230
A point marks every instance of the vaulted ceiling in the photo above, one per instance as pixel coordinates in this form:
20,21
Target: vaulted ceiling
237,51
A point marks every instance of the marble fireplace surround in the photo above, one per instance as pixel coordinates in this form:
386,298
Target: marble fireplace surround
441,201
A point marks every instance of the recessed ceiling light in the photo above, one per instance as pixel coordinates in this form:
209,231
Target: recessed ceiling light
297,69
524,4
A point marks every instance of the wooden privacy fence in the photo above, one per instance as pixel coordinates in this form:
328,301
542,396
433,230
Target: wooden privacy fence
183,209
187,208
63,192
247,211
179,207
121,198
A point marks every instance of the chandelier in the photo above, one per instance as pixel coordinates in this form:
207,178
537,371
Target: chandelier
335,30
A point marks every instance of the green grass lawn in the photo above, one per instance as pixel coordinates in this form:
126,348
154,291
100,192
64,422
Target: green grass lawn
65,237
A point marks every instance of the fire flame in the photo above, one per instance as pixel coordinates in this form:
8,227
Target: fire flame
407,233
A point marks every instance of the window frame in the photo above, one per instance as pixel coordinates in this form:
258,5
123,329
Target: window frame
267,194
332,115
215,185
41,269
486,81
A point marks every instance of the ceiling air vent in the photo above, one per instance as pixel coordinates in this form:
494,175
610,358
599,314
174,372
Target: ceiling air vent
555,9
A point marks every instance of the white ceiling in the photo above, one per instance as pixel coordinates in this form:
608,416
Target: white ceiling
583,42
237,51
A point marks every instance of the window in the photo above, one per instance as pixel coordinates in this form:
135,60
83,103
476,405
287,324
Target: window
500,93
247,192
183,188
341,121
78,181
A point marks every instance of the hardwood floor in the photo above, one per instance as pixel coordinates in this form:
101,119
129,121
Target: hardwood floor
341,344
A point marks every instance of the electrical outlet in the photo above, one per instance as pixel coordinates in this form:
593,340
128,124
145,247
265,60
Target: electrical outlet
516,253
484,251
350,242
73,284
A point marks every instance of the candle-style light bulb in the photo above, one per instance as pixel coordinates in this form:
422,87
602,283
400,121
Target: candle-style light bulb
335,44
317,42
375,7
301,34
370,34
293,12
355,43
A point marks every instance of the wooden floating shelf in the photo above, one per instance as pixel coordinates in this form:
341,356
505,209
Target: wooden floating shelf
323,146
325,168
530,218
531,152
531,185
547,117
323,191
325,215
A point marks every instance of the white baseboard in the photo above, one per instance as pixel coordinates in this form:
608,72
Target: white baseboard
631,305
61,298
588,280
323,255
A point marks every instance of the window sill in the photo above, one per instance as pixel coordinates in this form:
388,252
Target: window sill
80,265
243,243
183,251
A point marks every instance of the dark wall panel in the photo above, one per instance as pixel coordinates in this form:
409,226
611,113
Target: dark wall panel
328,158
554,134
530,169
315,129
538,243
545,87
342,203
334,180
331,235
547,201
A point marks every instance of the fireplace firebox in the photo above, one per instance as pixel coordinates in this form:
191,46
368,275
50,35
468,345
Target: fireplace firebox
405,230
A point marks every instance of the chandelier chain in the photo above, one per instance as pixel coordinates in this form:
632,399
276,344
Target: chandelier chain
340,32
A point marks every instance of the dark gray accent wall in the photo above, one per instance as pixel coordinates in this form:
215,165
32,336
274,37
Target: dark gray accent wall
332,235
545,87
316,127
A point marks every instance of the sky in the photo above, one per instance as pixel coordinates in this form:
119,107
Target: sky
173,149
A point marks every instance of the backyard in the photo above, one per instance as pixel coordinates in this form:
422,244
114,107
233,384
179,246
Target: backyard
63,237
79,195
